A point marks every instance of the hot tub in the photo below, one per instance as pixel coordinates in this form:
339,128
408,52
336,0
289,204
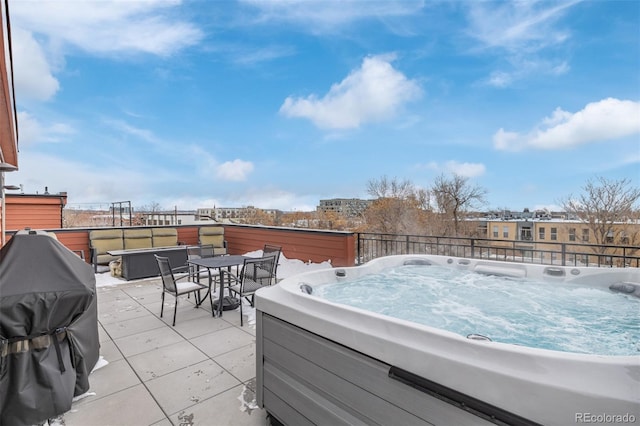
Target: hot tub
320,362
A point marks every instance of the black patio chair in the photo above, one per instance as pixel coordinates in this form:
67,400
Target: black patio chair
275,251
251,279
177,287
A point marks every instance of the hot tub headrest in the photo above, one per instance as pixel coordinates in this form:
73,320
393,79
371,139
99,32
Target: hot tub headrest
631,289
423,262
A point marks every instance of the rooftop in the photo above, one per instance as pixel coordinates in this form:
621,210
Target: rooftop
200,372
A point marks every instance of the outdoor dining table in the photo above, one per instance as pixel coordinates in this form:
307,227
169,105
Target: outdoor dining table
223,264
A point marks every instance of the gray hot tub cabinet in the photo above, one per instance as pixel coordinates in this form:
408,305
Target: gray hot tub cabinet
305,379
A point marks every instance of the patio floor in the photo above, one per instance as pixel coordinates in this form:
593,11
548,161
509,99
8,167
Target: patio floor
200,372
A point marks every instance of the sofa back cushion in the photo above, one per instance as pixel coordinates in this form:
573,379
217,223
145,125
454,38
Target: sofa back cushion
164,237
104,240
137,239
213,235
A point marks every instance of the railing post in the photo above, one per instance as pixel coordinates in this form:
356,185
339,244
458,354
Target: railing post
473,248
358,248
564,253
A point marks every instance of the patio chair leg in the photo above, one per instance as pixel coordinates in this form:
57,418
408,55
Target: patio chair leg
240,299
162,306
175,310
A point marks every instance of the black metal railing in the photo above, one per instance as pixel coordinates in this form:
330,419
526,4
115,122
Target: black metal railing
371,245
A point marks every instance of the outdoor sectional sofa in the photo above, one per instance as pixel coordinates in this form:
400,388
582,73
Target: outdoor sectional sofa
102,241
135,248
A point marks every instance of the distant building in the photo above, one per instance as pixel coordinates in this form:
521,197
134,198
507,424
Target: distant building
169,217
348,207
545,231
222,214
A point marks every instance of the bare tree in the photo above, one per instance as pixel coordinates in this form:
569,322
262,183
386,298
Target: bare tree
399,208
454,196
606,206
390,188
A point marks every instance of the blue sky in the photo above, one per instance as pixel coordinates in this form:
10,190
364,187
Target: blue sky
279,104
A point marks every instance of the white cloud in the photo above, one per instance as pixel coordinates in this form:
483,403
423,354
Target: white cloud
32,131
374,92
517,26
465,169
103,27
236,170
522,31
138,133
523,67
33,76
83,182
600,121
322,16
469,170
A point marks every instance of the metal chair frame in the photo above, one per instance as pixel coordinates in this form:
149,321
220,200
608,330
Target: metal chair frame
171,285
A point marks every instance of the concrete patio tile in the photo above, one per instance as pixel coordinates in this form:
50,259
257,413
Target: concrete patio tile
112,378
223,341
102,334
134,406
241,363
199,326
233,317
110,294
183,388
164,360
109,351
147,341
186,309
228,408
133,326
145,293
113,299
120,310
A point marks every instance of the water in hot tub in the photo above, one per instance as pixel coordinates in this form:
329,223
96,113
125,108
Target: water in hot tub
544,315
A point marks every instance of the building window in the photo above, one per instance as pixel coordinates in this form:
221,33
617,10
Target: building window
609,238
525,234
541,233
554,234
495,232
624,237
505,232
572,234
585,235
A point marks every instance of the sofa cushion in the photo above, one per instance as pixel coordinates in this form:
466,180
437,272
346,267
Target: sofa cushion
137,239
212,235
103,240
164,237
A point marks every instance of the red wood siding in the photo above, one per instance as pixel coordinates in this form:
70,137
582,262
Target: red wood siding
305,245
316,246
75,240
34,211
188,235
8,139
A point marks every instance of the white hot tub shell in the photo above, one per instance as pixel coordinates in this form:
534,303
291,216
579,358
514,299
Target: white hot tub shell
320,362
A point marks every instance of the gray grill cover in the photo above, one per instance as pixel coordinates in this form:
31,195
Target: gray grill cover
44,289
